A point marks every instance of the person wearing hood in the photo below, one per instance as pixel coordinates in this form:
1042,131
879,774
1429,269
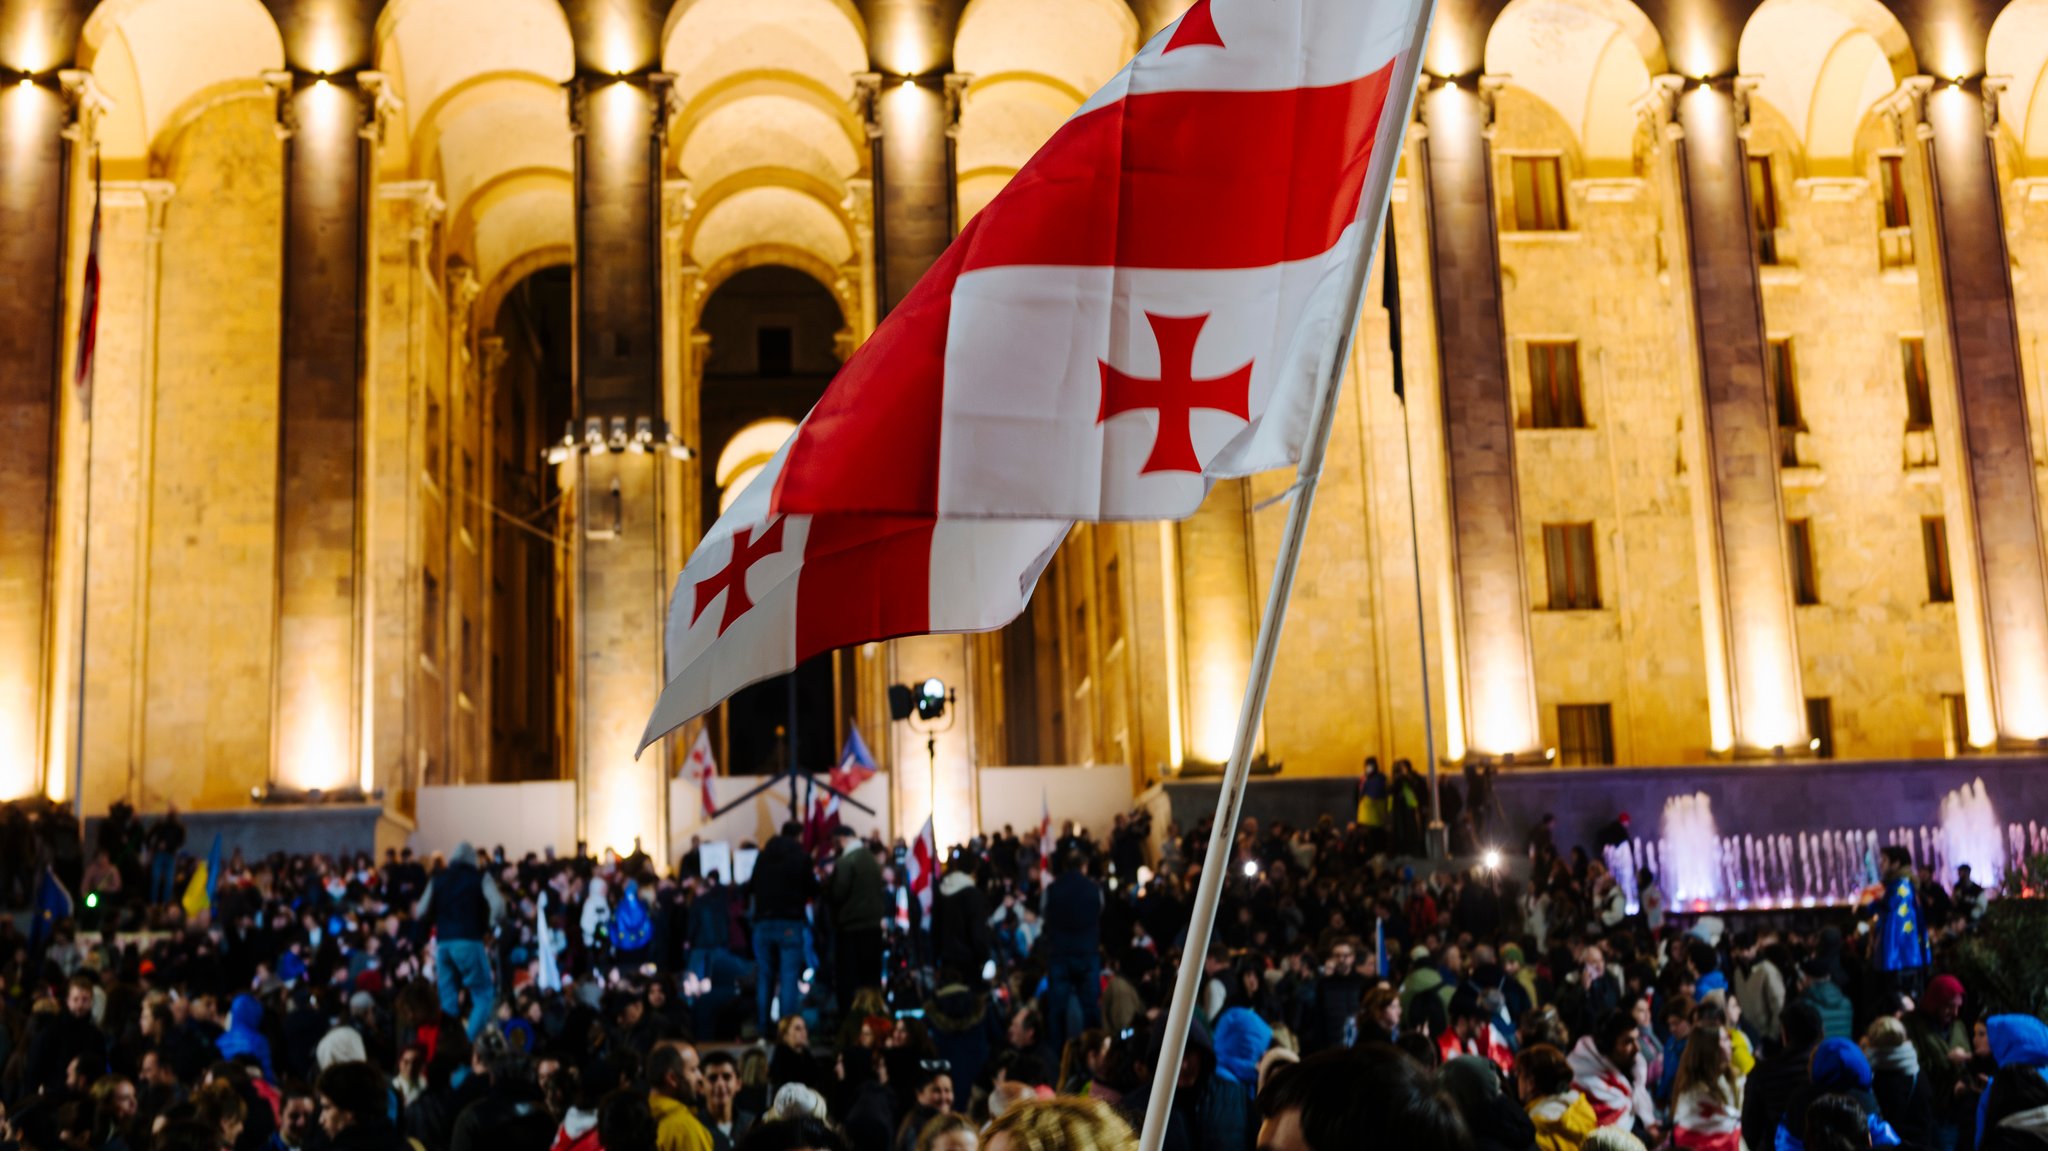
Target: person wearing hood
1242,1039
1559,1113
1904,1093
1211,1111
632,928
244,1035
596,920
1837,1014
1495,1122
1838,1068
460,904
2016,1115
2019,1045
963,1029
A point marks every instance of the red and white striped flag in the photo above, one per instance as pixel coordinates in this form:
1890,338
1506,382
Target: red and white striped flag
1152,302
924,862
1044,837
700,767
764,592
88,318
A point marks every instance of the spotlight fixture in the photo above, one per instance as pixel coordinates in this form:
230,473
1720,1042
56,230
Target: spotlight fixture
931,700
1491,860
648,436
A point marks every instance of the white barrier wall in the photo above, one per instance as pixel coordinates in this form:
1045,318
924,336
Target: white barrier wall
1018,795
535,816
522,816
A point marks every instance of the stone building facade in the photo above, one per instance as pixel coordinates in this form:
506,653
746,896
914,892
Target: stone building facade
432,333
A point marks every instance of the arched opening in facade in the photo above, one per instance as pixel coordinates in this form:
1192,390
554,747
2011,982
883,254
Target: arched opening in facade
772,347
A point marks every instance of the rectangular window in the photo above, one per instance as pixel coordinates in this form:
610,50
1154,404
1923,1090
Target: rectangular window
1568,554
1763,203
774,351
1891,177
433,444
1539,193
1585,734
1784,381
1820,724
430,617
1919,396
1955,725
1805,577
1941,586
1554,396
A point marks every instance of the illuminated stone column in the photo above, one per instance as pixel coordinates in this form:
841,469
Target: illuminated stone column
33,159
1755,702
328,169
1989,500
621,579
1491,695
905,108
1217,620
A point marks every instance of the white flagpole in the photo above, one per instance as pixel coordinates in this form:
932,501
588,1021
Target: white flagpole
1230,796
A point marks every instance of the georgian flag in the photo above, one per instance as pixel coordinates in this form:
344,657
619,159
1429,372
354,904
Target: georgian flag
1153,301
924,862
765,592
699,769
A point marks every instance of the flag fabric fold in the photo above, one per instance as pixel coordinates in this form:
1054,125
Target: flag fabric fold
1151,304
924,862
88,318
764,592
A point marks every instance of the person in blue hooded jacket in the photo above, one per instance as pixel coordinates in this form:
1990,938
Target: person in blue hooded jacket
1242,1039
2018,1042
244,1035
1838,1068
1901,935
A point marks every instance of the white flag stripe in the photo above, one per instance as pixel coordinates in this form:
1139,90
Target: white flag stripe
1268,48
1020,447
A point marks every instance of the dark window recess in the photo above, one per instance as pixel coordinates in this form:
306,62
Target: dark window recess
774,351
1784,381
1539,193
1763,204
1574,579
1555,398
1585,734
1941,586
1820,724
1805,576
1891,174
1919,395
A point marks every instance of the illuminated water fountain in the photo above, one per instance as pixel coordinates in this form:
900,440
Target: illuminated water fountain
1700,869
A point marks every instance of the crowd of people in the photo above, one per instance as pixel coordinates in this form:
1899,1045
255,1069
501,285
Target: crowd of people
1351,997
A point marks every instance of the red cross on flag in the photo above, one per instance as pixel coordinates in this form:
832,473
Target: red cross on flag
699,769
764,592
1152,302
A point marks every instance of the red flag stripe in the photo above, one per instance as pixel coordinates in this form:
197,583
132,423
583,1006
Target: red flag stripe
1225,184
863,579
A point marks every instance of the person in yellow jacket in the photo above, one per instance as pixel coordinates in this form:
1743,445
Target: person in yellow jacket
1563,1118
671,1075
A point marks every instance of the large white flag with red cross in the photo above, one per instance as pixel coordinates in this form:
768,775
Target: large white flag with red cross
1155,298
1151,304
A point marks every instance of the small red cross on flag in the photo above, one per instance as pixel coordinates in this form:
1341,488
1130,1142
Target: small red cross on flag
700,768
1189,246
749,547
1175,394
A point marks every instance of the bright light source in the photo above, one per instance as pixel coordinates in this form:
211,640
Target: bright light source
1491,859
1813,744
92,899
1250,869
931,700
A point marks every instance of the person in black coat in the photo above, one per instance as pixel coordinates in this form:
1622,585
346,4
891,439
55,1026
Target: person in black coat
961,936
354,1100
1775,1081
68,1036
1904,1096
1495,1118
783,882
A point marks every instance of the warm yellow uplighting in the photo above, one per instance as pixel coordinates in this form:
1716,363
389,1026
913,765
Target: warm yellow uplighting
17,752
1169,567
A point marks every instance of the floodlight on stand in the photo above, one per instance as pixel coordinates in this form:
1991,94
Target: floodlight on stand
931,700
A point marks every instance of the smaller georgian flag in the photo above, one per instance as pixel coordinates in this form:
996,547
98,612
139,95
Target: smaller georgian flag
699,768
924,862
764,592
